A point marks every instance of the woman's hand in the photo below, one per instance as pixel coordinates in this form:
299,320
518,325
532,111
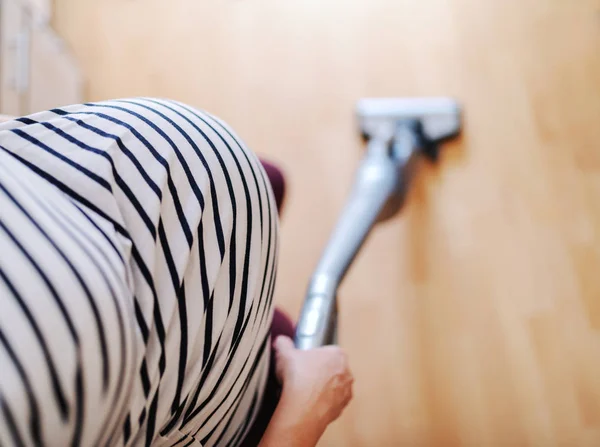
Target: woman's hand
318,380
317,386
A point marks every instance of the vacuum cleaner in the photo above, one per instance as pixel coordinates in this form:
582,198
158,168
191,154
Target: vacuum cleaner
398,131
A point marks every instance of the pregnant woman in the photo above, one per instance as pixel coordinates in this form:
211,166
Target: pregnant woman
138,258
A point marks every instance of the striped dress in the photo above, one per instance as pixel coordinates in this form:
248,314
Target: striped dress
138,250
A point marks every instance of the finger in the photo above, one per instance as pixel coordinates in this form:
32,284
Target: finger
347,401
349,379
347,397
284,345
280,372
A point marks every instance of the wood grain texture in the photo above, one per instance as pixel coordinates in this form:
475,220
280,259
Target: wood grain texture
473,319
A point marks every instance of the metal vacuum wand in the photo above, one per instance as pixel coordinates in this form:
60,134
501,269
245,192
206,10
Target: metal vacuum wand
398,131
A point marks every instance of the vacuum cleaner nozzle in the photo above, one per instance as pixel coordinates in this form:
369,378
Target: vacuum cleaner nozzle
439,117
398,131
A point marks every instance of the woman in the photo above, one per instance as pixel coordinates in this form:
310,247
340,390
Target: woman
139,243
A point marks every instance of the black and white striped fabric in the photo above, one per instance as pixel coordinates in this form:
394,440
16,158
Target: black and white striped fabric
138,250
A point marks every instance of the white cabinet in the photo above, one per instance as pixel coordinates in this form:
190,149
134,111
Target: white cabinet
13,26
37,71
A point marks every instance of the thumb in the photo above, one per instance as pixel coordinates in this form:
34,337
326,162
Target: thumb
284,345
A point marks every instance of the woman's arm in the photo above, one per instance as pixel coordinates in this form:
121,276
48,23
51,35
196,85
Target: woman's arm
317,386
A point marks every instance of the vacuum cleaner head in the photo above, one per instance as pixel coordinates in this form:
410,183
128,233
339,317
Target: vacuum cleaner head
439,118
399,132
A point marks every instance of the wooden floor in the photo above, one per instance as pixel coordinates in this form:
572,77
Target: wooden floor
472,319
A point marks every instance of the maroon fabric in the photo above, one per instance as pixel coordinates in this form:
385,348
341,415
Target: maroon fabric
277,180
281,325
